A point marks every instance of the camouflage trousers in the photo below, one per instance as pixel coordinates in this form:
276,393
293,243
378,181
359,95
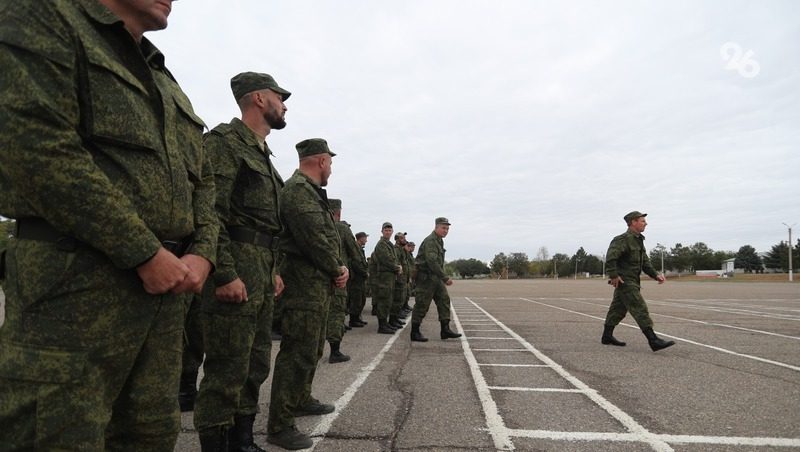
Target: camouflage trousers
238,342
356,297
383,293
192,339
302,345
88,359
429,288
336,315
400,296
628,299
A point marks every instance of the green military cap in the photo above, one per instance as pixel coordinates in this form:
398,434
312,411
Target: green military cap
411,244
633,215
387,225
336,204
247,82
400,234
313,146
361,235
443,220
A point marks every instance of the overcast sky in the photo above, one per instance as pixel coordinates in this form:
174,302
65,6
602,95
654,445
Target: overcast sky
526,123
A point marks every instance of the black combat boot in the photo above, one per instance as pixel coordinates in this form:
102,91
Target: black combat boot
214,439
188,391
336,355
416,334
361,321
608,337
446,332
355,322
395,322
384,328
656,343
240,438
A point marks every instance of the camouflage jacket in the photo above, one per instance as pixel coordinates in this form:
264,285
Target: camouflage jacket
96,137
430,257
310,242
356,261
385,257
247,188
627,257
405,262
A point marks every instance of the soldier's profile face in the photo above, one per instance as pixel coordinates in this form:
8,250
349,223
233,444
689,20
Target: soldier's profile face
639,224
326,162
150,15
387,232
362,241
442,230
274,110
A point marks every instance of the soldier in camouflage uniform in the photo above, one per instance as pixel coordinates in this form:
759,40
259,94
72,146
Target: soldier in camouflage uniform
432,283
312,267
101,164
387,271
338,308
356,285
412,275
626,259
237,316
396,313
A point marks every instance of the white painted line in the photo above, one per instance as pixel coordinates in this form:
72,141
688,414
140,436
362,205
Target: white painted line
499,349
326,421
673,439
689,341
624,418
732,440
517,388
494,422
484,338
511,365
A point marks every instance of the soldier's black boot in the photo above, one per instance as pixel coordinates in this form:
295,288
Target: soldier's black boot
608,337
356,323
336,355
384,328
188,391
395,322
240,438
656,343
214,439
446,332
416,334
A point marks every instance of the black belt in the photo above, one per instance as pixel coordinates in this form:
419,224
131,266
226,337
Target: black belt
41,230
246,235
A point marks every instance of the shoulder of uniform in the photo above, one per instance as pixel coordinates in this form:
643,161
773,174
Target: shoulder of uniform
43,28
221,129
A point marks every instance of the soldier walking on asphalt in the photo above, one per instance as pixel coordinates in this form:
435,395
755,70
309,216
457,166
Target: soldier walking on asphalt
312,267
236,312
626,259
432,283
104,171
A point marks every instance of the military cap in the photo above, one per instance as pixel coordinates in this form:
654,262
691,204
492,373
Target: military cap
633,215
361,235
336,204
400,234
313,146
247,82
387,225
443,220
411,244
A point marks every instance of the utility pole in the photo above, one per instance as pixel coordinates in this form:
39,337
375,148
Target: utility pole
661,248
790,249
576,267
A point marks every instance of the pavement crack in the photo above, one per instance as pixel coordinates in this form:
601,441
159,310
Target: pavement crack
407,399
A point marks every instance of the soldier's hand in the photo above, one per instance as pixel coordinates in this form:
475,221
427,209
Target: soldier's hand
341,280
399,270
660,278
162,272
199,268
449,282
233,292
616,281
279,286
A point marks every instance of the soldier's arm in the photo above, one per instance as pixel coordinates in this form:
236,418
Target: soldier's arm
41,153
226,168
615,250
387,261
431,257
206,223
313,232
647,266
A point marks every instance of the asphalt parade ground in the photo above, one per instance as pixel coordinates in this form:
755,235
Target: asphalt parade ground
530,374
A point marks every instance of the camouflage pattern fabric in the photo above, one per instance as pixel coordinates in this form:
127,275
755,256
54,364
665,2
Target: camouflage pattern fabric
356,285
386,264
338,307
400,292
99,141
431,280
238,336
627,258
312,259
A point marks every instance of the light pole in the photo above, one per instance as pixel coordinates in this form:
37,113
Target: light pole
576,267
790,249
604,266
661,248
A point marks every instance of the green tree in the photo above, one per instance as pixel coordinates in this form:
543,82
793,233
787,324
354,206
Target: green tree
680,258
468,268
499,264
748,259
593,265
778,256
563,264
701,257
518,263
